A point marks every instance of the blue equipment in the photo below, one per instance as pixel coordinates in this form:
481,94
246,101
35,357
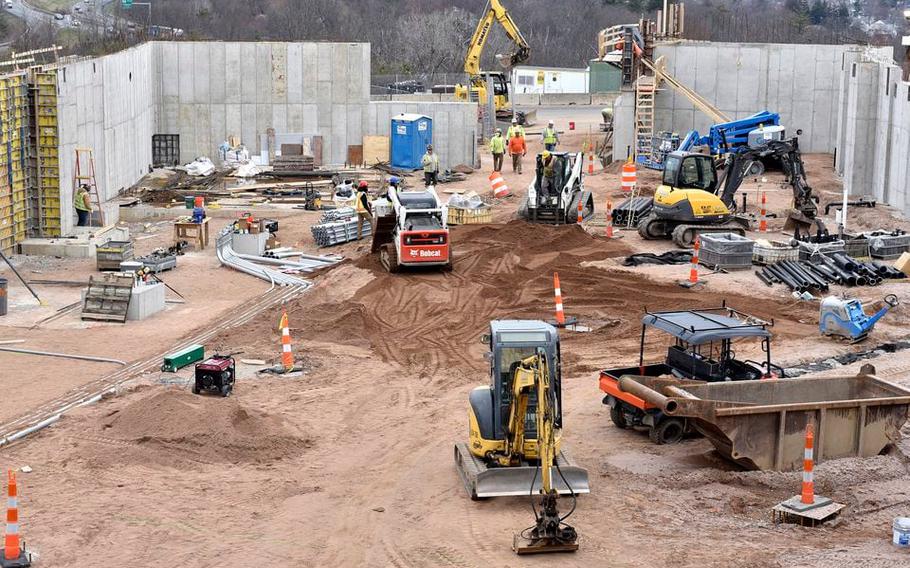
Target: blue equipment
198,214
840,317
730,136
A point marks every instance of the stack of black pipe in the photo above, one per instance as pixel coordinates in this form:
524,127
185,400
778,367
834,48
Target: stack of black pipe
634,209
825,269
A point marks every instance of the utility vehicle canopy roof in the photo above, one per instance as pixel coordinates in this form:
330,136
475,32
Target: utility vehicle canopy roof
705,326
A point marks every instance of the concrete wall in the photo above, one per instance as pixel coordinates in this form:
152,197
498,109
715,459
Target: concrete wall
798,81
454,127
874,156
207,91
106,104
210,90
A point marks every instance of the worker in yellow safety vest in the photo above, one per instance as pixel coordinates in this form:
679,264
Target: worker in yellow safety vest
550,137
364,211
83,204
430,162
498,149
548,181
514,130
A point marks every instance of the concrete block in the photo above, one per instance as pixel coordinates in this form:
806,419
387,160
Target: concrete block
565,99
146,301
252,244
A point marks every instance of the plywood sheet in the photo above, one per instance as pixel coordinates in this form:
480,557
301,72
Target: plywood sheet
375,149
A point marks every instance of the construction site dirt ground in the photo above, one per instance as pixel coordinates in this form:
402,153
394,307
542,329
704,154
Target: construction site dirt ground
350,462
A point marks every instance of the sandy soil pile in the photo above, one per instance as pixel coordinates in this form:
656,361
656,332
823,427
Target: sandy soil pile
175,426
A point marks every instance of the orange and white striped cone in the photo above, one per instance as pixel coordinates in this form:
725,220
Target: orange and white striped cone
561,319
807,495
590,163
807,499
287,356
500,189
629,176
609,219
580,210
14,553
763,222
693,271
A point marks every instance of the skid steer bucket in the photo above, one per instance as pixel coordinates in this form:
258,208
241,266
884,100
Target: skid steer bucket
482,481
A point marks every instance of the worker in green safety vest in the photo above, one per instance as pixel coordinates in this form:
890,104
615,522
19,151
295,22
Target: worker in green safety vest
550,137
514,130
498,149
83,204
430,162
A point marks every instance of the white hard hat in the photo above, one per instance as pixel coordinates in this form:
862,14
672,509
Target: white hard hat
514,121
551,123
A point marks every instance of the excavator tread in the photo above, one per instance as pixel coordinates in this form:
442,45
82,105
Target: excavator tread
680,231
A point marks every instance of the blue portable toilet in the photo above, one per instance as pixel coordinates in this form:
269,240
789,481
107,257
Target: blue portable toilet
410,135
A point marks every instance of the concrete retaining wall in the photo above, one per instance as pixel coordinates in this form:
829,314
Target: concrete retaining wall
210,90
874,155
454,127
207,91
798,81
106,104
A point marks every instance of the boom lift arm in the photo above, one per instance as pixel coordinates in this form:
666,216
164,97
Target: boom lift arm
495,12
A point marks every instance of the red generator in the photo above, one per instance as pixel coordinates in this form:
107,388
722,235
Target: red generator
215,375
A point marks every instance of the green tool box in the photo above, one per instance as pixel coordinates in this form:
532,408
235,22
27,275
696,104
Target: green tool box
182,358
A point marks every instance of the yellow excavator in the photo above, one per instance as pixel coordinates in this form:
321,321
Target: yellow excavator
477,89
515,431
693,199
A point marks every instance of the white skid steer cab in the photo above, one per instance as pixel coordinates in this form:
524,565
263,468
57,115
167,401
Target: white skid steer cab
554,199
415,233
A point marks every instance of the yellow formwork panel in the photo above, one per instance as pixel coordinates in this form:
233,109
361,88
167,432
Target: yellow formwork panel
47,140
48,161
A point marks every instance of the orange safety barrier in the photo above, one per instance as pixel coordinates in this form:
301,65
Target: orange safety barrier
560,314
609,219
498,185
763,223
629,176
693,272
807,496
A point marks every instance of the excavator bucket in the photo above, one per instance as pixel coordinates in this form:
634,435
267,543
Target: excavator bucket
482,481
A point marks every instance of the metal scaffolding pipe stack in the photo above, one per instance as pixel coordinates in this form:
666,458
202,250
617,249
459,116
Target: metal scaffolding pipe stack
228,257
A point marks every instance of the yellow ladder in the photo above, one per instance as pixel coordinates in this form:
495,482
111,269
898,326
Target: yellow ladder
87,179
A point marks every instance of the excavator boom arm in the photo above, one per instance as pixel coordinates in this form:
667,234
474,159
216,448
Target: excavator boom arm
495,12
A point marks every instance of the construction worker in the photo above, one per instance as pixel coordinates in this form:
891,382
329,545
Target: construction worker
498,149
548,181
550,137
515,128
83,204
364,211
430,163
517,149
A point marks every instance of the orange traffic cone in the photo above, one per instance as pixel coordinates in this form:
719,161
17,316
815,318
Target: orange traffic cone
609,219
580,209
561,319
287,357
14,553
590,163
763,222
693,271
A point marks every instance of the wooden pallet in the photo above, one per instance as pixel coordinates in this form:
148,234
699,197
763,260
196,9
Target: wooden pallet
108,298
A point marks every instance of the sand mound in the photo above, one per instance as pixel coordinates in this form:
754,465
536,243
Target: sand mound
177,425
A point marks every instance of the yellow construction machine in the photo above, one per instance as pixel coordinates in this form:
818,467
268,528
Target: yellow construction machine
477,89
694,200
515,427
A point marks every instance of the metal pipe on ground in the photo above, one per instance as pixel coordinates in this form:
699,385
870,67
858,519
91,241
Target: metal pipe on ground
62,355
